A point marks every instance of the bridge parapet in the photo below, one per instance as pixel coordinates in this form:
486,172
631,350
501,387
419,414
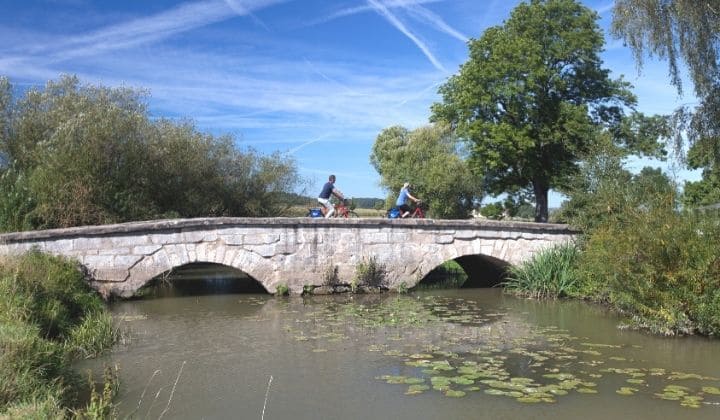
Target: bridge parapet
291,251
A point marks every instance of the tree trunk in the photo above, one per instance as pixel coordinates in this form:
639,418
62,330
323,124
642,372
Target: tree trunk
541,202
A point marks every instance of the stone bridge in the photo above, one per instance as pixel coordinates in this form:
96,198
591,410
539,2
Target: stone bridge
295,252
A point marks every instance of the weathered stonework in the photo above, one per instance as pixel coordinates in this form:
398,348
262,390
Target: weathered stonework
291,251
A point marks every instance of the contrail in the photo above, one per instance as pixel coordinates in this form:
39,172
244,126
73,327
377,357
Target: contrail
384,12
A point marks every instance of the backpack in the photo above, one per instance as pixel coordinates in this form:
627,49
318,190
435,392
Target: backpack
394,213
315,212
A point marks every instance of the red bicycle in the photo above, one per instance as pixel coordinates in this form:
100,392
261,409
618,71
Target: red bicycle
342,210
417,212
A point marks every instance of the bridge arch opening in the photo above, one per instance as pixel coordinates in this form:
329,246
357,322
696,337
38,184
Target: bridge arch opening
200,278
469,271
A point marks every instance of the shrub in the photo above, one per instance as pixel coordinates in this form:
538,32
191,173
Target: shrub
659,266
370,273
549,274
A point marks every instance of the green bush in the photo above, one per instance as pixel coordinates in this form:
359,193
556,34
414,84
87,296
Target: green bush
48,316
549,274
660,266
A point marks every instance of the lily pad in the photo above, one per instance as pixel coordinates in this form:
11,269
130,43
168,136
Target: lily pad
454,393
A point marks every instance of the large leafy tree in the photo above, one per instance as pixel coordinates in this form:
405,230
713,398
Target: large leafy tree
428,158
74,154
533,96
683,32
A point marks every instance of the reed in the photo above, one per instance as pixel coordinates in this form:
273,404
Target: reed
549,274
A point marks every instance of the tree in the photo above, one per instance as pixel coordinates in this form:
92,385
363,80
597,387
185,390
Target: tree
427,158
683,31
75,154
533,97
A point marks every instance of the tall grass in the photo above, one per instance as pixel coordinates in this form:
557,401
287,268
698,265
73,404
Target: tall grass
48,317
549,274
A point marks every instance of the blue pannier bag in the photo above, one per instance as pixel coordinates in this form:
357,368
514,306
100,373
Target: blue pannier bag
316,212
394,213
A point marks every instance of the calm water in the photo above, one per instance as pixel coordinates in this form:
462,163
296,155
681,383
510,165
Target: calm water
358,357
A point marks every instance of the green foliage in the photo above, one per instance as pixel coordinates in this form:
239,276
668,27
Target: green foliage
658,265
492,210
79,155
533,97
282,290
402,288
429,159
370,273
683,32
48,316
101,405
330,276
549,274
603,190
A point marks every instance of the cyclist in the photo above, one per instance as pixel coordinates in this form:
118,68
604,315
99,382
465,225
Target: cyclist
324,198
403,198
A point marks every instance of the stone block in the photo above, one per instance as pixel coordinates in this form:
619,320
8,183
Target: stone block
62,246
126,261
166,238
128,241
81,244
444,239
261,239
99,261
145,249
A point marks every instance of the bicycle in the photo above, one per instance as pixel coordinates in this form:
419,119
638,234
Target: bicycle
416,213
342,210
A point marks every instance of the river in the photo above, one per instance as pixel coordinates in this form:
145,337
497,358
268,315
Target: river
447,354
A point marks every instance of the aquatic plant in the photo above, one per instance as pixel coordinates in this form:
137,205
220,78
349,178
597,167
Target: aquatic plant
282,290
370,273
549,274
330,276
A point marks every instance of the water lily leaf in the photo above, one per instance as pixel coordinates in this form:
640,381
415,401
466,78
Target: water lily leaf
416,389
626,391
454,393
711,390
413,380
586,390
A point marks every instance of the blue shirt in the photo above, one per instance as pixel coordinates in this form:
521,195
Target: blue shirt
327,190
403,197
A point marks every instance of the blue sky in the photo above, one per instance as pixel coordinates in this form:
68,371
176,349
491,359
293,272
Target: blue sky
317,80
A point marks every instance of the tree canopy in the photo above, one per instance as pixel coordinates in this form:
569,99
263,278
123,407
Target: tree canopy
427,158
75,154
533,96
683,32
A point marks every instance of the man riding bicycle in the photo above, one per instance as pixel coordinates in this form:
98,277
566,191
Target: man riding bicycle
403,198
324,198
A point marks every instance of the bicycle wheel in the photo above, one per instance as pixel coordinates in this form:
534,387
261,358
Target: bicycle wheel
353,214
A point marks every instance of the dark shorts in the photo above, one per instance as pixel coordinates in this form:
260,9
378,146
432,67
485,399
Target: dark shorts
404,208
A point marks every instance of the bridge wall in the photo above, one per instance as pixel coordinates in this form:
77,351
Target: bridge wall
291,251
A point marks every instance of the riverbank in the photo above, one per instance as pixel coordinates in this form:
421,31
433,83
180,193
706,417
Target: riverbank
49,318
661,273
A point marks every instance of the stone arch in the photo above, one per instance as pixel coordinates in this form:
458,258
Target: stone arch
201,278
168,257
482,270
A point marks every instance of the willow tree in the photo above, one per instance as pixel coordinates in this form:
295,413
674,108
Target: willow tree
532,97
683,32
428,158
